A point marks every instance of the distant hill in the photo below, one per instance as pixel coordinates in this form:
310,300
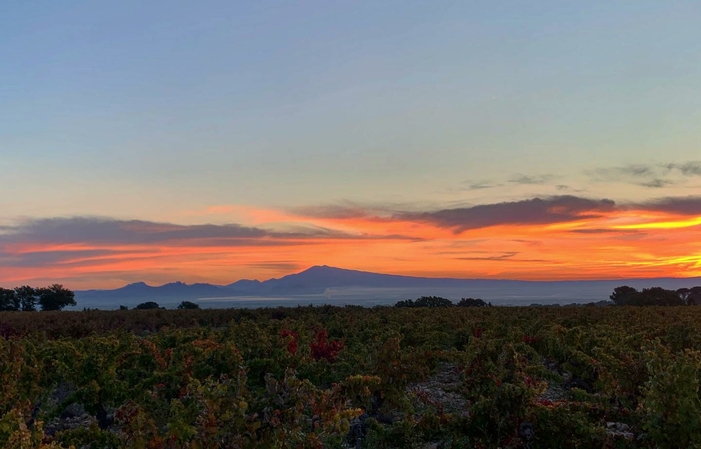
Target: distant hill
318,278
138,292
325,280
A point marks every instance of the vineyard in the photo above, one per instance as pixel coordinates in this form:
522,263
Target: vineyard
348,377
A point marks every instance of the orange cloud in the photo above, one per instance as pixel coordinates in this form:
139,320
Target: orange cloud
555,238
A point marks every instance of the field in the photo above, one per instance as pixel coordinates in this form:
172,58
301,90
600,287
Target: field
487,377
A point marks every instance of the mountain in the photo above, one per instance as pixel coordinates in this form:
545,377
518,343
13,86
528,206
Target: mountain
324,284
245,285
319,278
138,292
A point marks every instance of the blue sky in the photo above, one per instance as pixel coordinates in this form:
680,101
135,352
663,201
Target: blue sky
157,110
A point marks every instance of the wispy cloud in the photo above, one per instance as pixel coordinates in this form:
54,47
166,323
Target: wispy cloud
656,183
509,257
287,267
479,185
52,257
692,168
648,175
637,174
107,230
340,211
604,231
531,179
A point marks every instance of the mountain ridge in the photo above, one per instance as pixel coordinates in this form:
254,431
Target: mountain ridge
325,282
329,272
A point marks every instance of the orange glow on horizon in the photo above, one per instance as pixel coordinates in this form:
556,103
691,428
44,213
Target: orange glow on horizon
620,244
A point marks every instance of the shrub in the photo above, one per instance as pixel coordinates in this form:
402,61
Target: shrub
188,305
473,302
426,301
148,305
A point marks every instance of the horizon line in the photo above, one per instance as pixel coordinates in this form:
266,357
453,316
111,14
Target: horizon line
531,281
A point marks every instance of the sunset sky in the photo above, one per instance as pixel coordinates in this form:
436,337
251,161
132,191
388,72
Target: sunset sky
216,140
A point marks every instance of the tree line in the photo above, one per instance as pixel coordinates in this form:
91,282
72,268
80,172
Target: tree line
437,301
56,297
656,296
27,298
150,305
621,296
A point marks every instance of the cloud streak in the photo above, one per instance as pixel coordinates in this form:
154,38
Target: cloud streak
106,230
549,210
688,205
531,179
692,168
479,185
648,175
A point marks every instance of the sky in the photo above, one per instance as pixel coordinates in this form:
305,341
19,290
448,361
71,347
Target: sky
214,140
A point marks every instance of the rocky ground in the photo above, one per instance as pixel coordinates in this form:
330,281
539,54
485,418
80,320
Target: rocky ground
440,391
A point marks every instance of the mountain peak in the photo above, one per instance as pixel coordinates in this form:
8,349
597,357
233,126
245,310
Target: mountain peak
322,269
136,287
317,267
176,283
137,284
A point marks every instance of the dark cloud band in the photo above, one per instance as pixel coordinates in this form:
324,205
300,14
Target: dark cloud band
689,205
533,211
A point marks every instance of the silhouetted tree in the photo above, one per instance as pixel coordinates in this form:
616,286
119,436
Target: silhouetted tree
188,305
55,297
658,296
622,295
473,302
433,301
8,299
27,298
426,301
655,296
147,305
690,296
123,308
